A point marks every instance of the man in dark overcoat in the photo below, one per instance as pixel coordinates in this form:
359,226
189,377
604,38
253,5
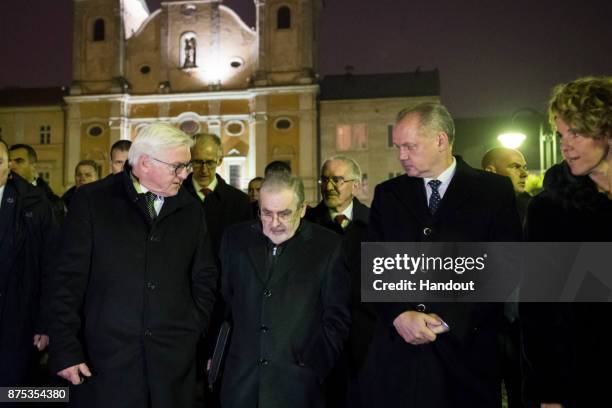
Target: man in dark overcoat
285,283
135,283
27,235
340,211
413,361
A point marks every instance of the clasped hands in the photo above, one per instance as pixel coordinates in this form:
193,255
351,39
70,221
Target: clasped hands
418,328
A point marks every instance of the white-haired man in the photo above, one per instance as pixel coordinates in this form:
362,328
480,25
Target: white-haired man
135,282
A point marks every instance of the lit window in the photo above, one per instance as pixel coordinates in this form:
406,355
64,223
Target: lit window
45,134
99,30
352,137
283,18
234,176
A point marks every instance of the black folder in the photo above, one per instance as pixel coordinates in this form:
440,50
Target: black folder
219,354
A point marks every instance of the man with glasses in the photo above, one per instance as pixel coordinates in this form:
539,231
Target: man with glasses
135,282
223,204
286,285
342,212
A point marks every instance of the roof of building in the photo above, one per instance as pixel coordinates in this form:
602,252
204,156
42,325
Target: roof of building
32,96
393,85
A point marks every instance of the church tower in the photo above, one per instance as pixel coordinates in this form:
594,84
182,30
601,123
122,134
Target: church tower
288,41
101,28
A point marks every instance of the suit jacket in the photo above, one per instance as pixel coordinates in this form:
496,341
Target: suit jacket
225,206
363,316
459,368
288,329
132,296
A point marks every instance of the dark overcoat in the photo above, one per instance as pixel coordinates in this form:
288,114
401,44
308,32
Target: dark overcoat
567,345
458,369
28,234
132,296
288,330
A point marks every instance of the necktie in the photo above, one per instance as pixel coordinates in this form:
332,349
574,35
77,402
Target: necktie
206,191
150,201
339,219
434,200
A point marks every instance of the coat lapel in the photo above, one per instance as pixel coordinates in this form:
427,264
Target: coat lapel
257,253
297,248
412,195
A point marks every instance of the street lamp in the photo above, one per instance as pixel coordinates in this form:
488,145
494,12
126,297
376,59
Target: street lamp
548,143
512,140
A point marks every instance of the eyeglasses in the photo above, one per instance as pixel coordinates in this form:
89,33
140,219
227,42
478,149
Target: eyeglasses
178,168
211,164
284,216
337,181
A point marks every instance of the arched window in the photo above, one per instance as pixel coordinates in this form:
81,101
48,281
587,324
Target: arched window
283,18
98,30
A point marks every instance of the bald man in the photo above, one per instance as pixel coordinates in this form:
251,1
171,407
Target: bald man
510,163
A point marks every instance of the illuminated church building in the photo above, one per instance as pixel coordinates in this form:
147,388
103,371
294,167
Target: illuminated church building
197,65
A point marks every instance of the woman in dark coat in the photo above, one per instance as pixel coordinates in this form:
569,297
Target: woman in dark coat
568,345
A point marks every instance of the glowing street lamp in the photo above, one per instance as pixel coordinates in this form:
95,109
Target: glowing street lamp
512,140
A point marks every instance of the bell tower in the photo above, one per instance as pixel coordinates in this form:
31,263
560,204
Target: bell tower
287,41
100,30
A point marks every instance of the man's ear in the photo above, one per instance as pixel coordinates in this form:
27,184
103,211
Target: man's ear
490,168
219,161
443,142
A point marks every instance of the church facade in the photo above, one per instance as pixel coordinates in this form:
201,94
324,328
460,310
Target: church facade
197,65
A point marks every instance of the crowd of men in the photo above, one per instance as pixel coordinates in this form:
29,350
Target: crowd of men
153,258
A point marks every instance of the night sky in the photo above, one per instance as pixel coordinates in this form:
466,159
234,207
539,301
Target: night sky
494,56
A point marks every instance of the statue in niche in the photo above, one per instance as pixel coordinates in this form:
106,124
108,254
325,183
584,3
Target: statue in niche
190,53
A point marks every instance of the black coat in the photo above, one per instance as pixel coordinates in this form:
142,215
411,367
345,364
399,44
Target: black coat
288,330
132,296
363,316
28,234
59,210
459,369
567,345
225,206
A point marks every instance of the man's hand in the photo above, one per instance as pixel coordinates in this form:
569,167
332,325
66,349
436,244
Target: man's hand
413,327
73,374
41,341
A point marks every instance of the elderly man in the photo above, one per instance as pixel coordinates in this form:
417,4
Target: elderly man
510,163
23,160
27,236
414,361
288,292
342,212
135,282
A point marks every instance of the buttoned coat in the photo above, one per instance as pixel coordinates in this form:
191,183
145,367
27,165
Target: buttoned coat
132,296
458,369
288,330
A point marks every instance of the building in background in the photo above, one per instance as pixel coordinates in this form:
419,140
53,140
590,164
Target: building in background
197,65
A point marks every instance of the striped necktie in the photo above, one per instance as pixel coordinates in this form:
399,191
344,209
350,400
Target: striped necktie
150,201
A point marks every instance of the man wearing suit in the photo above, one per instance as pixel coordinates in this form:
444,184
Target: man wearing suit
286,285
223,204
414,361
135,282
342,212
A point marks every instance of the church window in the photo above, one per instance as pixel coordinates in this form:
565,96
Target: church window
99,32
95,131
283,18
45,134
145,69
234,128
191,127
